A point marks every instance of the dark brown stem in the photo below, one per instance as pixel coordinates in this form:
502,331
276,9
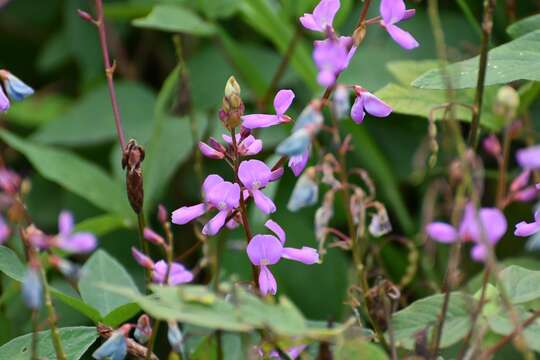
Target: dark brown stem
109,72
487,26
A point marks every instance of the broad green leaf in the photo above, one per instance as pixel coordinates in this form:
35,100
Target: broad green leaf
359,349
77,304
515,60
502,325
102,224
260,15
521,285
10,264
405,71
423,314
121,314
102,269
217,9
373,160
91,119
37,110
75,340
73,173
524,26
175,19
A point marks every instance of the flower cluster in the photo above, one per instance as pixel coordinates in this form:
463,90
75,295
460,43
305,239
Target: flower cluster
13,87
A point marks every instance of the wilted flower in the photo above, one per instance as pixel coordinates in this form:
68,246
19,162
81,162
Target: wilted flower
32,288
4,101
341,103
15,88
115,348
305,192
5,231
218,194
175,337
67,268
282,102
265,250
392,12
143,330
323,16
527,229
255,175
367,102
484,227
70,241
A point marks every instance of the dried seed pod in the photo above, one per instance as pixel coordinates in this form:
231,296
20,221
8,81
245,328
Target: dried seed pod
132,161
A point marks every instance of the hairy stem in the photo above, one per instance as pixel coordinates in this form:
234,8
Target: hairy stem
487,26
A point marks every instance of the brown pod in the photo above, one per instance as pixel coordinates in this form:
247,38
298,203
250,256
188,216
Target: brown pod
131,161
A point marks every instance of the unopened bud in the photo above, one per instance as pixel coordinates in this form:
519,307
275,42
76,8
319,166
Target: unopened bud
131,161
232,106
84,15
520,181
151,236
506,102
232,87
162,216
492,146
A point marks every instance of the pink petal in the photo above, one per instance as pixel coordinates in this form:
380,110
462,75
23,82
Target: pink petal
521,181
210,182
264,250
209,151
402,37
277,174
187,213
276,229
228,139
375,106
306,255
283,100
357,110
525,195
254,174
529,158
215,224
4,101
255,121
267,282
78,243
142,259
325,12
326,77
525,229
392,11
224,195
409,13
308,21
66,223
442,232
263,202
479,252
494,224
254,147
298,163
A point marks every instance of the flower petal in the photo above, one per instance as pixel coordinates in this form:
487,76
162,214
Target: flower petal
308,21
295,144
215,224
298,163
78,243
264,250
525,229
276,229
392,11
357,110
254,174
442,232
66,223
479,252
4,101
375,106
283,101
494,224
255,121
263,202
209,151
16,88
529,158
210,182
325,12
402,37
267,282
185,214
306,255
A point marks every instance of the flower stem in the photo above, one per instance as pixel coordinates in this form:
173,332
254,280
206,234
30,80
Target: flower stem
487,26
35,335
152,339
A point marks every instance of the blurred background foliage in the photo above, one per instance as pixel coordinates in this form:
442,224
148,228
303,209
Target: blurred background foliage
63,138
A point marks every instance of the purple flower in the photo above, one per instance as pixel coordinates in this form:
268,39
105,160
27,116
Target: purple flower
265,250
323,16
4,101
484,227
529,158
297,163
527,229
282,102
392,12
367,102
5,231
115,348
247,146
73,242
218,194
9,180
178,274
293,353
255,175
332,56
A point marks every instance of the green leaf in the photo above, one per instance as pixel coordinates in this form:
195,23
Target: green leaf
423,314
37,110
521,285
75,340
515,60
102,224
91,119
73,173
260,15
175,19
359,349
10,264
121,314
77,304
102,269
218,9
524,26
373,160
502,325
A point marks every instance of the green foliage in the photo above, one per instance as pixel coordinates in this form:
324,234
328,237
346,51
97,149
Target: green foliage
75,340
175,19
101,269
10,264
524,26
359,349
521,285
515,60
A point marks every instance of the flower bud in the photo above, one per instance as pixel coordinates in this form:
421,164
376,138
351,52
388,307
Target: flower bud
142,259
153,237
84,15
115,347
131,161
492,146
32,288
232,87
506,102
232,105
520,181
163,216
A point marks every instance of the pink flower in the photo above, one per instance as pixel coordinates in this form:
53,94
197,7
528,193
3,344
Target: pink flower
9,181
265,250
332,56
527,229
367,102
392,12
70,241
218,194
177,275
255,175
247,146
282,102
484,227
529,158
323,16
211,152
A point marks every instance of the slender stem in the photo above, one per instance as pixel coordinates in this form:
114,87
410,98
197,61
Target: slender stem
501,181
109,72
57,343
35,340
487,26
152,339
